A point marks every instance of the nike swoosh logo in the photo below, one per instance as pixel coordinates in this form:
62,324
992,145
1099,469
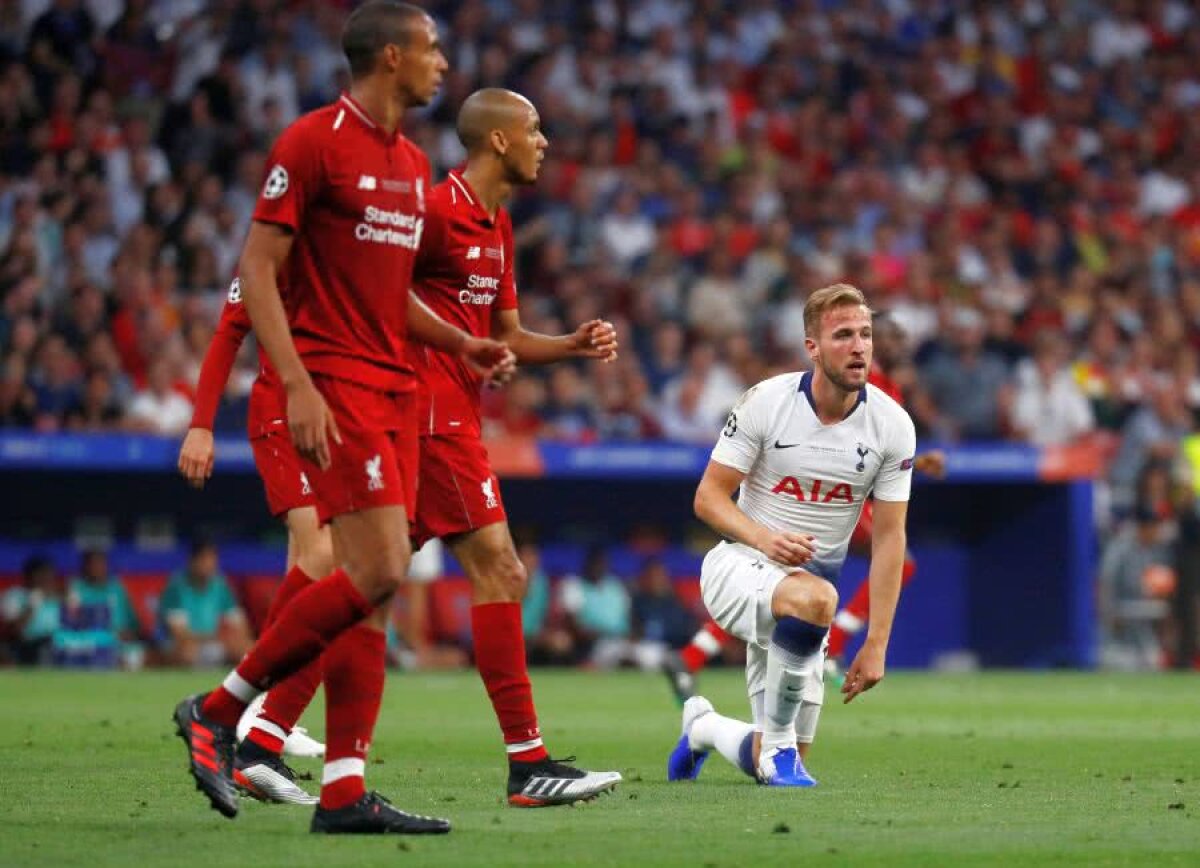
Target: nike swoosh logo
779,445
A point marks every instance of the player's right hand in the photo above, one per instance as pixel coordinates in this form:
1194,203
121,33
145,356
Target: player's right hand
788,547
196,456
311,424
486,357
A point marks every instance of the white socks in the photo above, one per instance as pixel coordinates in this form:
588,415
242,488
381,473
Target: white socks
725,735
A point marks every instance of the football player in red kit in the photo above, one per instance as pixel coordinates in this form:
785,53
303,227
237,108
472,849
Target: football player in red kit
336,228
890,357
464,272
290,498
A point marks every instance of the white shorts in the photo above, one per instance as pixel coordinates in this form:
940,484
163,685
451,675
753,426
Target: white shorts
736,583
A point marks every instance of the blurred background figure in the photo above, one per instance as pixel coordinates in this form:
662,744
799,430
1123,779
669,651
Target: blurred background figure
100,625
31,614
596,606
202,623
660,622
1137,577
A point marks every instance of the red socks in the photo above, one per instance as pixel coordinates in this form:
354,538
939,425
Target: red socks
500,657
313,619
287,700
354,675
705,645
853,616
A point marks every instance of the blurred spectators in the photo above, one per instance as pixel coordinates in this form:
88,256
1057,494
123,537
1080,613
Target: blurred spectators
100,626
203,624
986,172
660,622
1136,577
596,605
31,613
1049,408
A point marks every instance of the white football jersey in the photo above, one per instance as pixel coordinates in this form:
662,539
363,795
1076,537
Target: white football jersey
808,477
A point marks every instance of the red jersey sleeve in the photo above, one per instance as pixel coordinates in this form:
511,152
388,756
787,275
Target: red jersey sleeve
506,296
293,179
231,330
432,235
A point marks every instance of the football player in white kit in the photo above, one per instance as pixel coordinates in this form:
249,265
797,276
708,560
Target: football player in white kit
804,450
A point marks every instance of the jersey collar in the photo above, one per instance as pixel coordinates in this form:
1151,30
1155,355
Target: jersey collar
355,110
806,388
460,189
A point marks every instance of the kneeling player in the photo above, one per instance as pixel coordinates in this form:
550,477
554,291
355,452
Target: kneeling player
805,450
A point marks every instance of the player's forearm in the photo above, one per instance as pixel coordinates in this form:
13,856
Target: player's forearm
719,512
214,374
426,327
533,348
887,564
260,295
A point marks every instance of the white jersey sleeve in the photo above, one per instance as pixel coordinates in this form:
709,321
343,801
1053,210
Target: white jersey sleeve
741,440
894,482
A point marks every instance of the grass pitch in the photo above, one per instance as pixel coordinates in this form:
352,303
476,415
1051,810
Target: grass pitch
997,769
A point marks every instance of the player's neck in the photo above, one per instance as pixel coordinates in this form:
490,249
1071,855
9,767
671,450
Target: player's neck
833,404
381,106
489,186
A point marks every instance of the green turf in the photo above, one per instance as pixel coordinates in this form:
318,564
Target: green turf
927,770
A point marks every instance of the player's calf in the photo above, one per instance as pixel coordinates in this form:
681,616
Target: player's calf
803,605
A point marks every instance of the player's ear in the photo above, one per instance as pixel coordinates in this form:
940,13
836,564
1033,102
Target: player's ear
499,141
811,346
390,56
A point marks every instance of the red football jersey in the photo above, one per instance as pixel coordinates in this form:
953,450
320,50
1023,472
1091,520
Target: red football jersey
464,271
880,380
355,198
268,403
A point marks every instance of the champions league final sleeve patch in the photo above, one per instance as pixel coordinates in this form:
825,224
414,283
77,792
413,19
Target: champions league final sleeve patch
907,464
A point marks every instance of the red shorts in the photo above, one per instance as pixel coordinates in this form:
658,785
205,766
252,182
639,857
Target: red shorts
860,537
284,478
458,491
376,462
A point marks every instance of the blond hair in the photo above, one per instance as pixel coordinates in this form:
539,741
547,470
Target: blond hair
827,298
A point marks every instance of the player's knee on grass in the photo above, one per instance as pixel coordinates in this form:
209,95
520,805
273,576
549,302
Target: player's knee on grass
807,597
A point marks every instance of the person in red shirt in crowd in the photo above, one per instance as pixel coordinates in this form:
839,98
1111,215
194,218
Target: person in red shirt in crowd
464,272
335,231
889,369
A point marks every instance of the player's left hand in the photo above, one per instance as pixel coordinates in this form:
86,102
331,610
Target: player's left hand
484,356
196,456
504,371
931,463
865,672
596,339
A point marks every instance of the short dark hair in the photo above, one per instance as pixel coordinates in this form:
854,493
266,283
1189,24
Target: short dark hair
373,25
34,564
200,545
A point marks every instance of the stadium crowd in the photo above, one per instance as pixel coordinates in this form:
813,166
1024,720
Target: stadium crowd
198,616
1015,184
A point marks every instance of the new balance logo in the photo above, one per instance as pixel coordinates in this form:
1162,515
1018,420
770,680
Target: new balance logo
472,253
367,182
374,473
